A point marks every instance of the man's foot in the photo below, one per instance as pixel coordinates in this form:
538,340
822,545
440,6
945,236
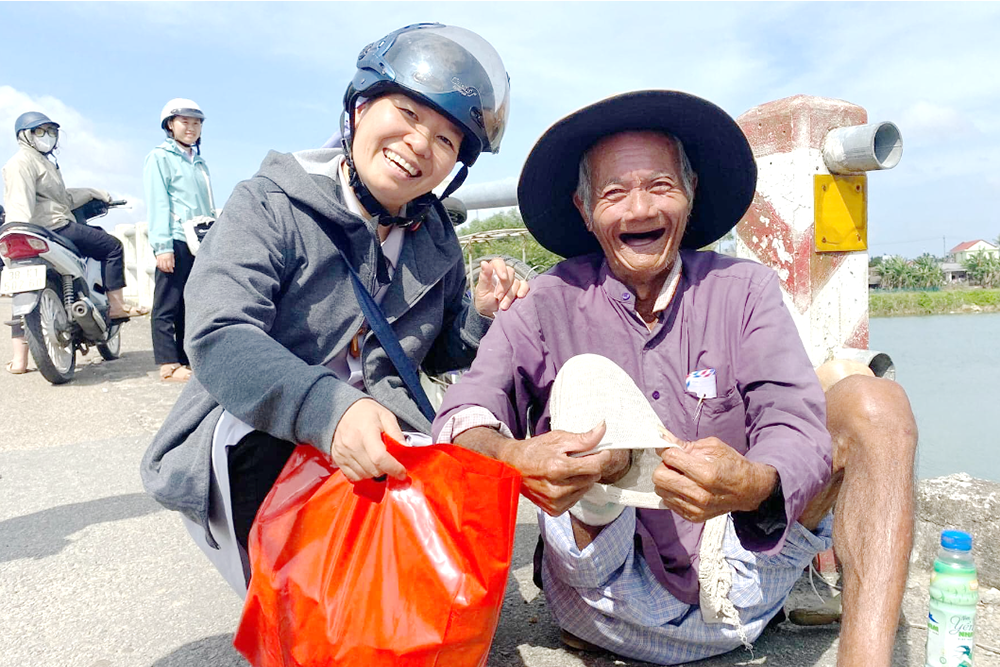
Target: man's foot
827,614
574,642
174,373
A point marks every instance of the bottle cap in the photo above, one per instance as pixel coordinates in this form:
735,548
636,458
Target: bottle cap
956,539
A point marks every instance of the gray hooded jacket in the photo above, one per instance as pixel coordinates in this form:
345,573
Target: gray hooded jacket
269,301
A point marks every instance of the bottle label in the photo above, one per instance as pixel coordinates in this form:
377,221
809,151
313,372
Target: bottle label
950,635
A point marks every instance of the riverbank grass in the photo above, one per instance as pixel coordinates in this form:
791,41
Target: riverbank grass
943,302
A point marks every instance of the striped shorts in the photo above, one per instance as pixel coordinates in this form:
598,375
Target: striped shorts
607,594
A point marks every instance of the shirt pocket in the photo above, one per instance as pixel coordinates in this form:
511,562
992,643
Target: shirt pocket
722,417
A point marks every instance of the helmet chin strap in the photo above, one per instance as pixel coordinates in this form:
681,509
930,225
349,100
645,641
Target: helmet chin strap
196,146
416,210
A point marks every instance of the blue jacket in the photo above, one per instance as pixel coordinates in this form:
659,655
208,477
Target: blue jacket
177,189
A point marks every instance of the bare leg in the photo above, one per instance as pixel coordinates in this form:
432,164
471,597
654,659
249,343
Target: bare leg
584,534
874,444
117,302
19,359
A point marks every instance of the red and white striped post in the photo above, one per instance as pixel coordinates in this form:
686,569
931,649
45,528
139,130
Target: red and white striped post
826,292
808,220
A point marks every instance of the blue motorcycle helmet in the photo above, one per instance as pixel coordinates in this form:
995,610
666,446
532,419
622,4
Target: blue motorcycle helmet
450,69
30,120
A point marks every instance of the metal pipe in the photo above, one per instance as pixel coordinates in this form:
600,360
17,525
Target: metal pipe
86,316
489,195
860,148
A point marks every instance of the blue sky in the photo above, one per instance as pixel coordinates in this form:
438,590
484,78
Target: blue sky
272,76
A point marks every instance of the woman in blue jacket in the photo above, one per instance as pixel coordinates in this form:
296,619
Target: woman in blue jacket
177,189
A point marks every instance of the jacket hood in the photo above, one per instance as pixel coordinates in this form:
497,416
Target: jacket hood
25,144
310,178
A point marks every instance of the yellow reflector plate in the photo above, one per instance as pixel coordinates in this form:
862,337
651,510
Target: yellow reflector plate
841,209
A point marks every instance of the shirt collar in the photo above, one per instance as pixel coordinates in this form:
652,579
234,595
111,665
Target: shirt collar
618,291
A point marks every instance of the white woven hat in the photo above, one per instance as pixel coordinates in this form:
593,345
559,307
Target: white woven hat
589,389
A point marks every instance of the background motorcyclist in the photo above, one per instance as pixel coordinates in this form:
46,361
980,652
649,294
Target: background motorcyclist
178,189
34,193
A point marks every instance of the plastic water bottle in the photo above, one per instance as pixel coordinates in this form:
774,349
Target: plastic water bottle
951,619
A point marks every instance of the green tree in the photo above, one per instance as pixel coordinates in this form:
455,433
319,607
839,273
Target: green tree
519,247
897,273
983,269
926,272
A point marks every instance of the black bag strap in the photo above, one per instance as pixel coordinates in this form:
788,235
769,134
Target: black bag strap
376,320
386,336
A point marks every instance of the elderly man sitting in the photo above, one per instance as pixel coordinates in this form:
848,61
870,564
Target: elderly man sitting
710,345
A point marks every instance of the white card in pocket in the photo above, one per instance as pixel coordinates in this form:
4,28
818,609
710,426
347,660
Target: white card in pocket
701,383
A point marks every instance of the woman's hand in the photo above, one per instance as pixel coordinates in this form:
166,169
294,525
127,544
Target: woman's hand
498,287
165,262
357,446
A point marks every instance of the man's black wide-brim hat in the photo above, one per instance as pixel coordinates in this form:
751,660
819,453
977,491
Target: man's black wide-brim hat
714,143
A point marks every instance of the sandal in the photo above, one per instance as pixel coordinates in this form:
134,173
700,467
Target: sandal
128,312
174,373
10,369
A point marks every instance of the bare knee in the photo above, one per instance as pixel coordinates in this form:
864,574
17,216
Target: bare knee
865,412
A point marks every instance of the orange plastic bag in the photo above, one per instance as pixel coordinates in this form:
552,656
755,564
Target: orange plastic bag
381,573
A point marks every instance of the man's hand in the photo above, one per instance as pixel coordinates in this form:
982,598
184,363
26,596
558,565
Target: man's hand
498,287
705,478
357,446
550,477
165,262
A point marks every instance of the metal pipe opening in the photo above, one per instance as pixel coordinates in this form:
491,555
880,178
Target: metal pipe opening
860,148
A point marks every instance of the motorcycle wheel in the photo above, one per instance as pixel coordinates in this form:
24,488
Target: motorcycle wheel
521,270
112,349
56,359
438,384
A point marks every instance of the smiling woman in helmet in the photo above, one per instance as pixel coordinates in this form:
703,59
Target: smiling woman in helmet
178,189
281,350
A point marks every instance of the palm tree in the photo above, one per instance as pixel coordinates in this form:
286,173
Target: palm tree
983,269
927,272
896,273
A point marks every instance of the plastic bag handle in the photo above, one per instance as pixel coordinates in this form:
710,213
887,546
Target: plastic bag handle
374,489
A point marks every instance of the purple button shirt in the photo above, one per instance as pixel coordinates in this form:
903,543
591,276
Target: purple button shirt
726,315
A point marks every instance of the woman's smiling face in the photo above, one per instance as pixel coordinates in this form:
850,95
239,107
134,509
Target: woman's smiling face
402,149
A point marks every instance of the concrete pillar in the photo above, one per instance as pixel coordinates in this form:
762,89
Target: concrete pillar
826,292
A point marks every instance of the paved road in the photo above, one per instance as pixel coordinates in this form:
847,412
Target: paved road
95,574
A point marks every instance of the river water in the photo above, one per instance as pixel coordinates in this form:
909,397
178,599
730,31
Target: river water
950,368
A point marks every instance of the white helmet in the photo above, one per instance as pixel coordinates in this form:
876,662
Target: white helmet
180,107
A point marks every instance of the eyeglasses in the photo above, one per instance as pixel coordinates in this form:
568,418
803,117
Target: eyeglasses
42,131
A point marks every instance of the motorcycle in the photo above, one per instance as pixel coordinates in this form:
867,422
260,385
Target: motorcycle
60,294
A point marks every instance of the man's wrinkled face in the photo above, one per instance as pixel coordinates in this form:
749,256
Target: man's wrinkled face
638,204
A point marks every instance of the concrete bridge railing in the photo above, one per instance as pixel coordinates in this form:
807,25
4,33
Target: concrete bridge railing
140,263
959,502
